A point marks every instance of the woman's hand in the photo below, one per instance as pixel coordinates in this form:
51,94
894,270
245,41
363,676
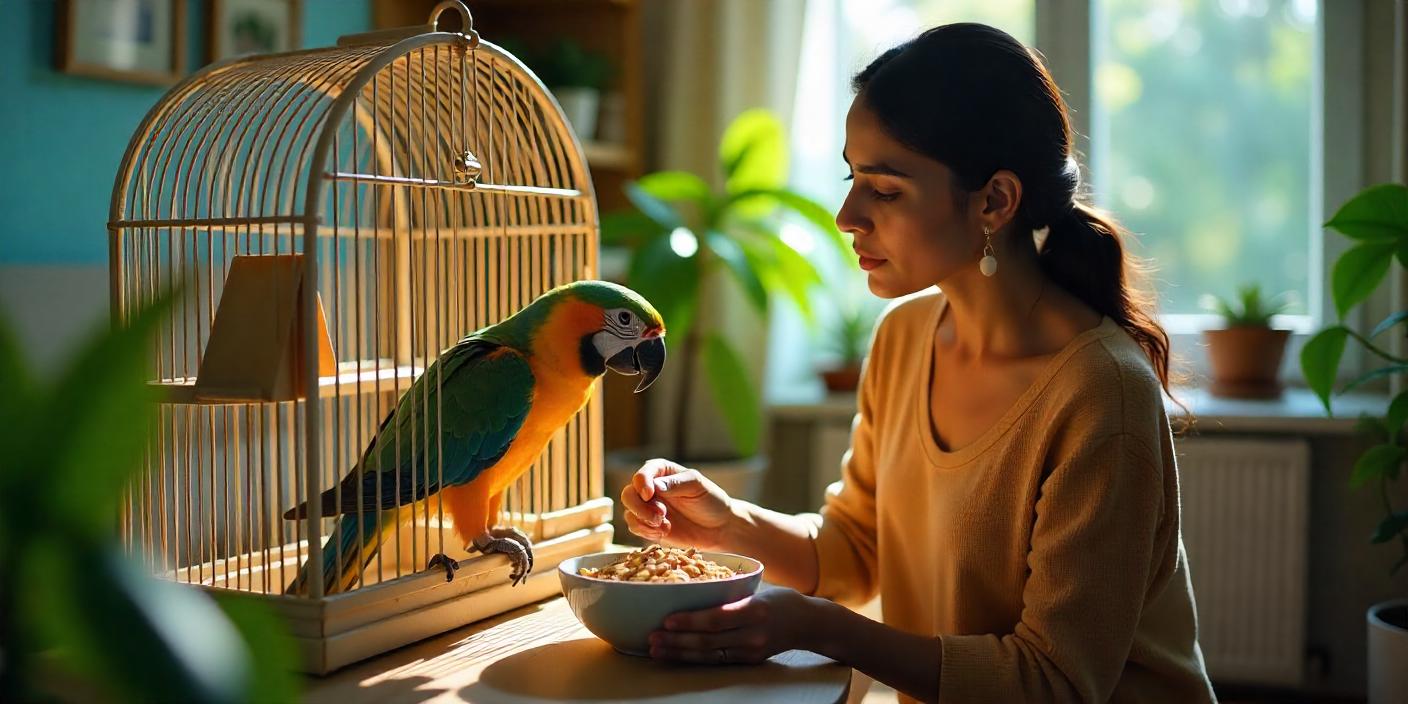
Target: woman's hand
669,504
750,630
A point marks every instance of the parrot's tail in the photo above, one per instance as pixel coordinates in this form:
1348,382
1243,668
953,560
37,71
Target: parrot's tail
351,546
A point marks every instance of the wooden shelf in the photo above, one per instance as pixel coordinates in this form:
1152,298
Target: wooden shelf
604,155
348,382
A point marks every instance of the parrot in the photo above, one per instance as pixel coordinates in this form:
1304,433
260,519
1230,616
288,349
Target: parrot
502,391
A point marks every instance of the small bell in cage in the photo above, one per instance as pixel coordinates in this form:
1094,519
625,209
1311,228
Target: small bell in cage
467,167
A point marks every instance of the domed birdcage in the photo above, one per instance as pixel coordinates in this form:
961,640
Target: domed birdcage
331,220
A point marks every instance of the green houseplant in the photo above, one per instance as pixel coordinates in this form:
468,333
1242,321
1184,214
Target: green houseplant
1245,354
74,608
847,338
681,232
1377,221
576,78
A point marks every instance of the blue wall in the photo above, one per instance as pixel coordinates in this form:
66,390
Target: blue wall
61,136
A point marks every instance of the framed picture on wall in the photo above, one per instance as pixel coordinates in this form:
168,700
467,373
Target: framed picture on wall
127,40
239,27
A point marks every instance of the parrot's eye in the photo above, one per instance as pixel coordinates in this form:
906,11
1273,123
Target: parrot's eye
624,317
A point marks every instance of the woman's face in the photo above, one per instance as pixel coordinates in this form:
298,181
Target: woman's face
908,230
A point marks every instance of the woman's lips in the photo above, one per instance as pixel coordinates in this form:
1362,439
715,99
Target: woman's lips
868,263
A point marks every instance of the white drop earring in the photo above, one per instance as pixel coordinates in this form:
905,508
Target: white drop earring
988,264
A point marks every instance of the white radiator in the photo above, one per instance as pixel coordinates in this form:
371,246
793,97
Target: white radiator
1245,506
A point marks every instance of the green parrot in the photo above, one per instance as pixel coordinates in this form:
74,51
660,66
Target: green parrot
503,392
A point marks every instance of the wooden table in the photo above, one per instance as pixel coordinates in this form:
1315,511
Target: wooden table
541,653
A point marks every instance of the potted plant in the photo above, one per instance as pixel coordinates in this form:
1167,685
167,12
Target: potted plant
1377,220
79,618
575,77
1245,354
847,340
683,236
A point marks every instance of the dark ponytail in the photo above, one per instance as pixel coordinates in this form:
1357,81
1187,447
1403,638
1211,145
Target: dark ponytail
974,99
1083,254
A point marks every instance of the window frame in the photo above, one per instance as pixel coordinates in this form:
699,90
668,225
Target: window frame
1064,33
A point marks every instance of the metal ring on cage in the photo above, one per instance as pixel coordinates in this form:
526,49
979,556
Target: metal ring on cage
466,19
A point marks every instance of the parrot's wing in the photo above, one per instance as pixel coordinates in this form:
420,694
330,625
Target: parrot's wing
483,391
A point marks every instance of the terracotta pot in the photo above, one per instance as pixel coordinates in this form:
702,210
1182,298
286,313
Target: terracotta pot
1246,361
843,379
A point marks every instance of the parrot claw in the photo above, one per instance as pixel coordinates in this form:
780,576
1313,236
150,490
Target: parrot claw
443,560
516,552
517,536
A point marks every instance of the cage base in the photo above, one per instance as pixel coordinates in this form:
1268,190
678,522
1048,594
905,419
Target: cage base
400,608
342,629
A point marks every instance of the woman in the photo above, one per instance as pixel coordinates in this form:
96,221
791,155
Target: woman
1010,491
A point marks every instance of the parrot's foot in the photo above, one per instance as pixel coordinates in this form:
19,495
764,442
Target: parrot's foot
517,536
442,560
517,554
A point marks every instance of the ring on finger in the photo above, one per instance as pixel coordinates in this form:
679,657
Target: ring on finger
723,654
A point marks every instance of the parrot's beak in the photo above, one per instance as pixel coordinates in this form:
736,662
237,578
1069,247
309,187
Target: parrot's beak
650,357
646,359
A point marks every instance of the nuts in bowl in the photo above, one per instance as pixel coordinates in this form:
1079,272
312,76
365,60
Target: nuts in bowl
611,597
660,564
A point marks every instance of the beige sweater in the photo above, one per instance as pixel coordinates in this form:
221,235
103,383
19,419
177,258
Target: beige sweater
1045,555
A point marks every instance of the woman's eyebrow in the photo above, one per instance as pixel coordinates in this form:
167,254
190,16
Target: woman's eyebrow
879,169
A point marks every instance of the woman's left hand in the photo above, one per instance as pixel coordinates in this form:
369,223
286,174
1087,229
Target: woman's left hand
749,630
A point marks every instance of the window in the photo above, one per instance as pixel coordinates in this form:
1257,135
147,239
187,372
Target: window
1201,135
1203,119
839,38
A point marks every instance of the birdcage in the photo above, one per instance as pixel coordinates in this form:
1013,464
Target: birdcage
329,221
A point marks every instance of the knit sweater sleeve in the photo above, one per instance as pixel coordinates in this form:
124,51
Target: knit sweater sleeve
844,534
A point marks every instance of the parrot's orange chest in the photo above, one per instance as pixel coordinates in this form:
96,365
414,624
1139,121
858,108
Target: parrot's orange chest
560,390
554,403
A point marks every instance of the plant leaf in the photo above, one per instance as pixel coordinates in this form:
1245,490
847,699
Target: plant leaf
1320,360
658,210
1397,414
798,277
629,228
742,269
1374,428
94,426
1388,322
1375,374
676,186
1376,213
733,393
16,406
753,152
1390,527
1377,461
269,645
811,211
1358,272
781,268
670,282
153,640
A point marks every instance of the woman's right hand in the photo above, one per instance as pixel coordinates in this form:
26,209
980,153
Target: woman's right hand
669,504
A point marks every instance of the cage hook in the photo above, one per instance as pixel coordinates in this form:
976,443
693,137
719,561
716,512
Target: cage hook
466,19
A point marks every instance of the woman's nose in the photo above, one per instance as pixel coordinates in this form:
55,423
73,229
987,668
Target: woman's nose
850,218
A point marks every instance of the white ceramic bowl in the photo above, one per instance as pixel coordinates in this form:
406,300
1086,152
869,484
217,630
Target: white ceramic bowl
624,613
